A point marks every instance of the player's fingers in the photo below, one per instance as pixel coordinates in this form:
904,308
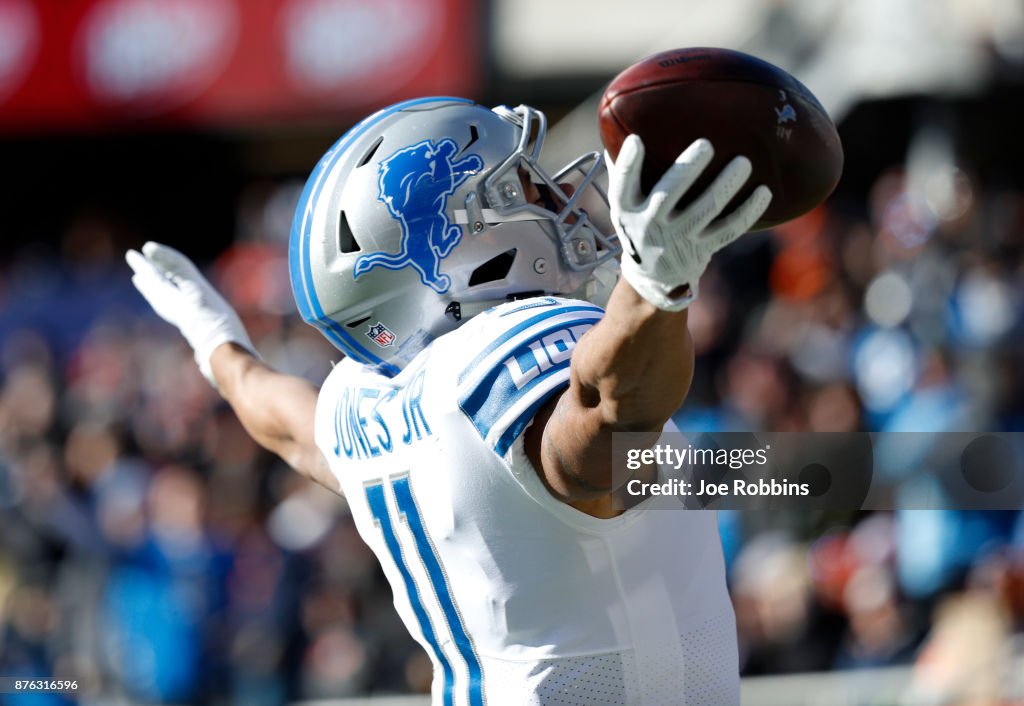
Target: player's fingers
152,278
717,196
132,257
161,296
141,265
152,288
678,179
166,257
142,283
624,172
740,220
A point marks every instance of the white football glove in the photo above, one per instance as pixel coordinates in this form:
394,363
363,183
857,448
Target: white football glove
181,296
665,249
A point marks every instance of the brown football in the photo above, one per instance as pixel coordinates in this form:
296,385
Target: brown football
745,106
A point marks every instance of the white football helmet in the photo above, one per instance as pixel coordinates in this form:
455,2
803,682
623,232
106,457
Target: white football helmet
416,220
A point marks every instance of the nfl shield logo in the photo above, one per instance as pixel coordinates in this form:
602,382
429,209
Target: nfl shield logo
381,335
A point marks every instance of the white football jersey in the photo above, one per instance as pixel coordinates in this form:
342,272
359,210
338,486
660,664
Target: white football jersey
518,598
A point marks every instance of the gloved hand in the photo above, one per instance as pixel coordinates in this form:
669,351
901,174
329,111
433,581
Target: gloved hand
181,296
664,249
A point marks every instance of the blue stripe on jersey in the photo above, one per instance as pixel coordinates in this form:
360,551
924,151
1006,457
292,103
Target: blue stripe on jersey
407,505
514,429
378,506
299,263
527,373
522,326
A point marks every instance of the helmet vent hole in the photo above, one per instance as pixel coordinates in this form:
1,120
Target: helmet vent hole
370,152
353,324
474,135
494,269
346,240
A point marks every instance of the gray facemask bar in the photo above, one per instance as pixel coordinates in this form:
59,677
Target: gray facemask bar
582,244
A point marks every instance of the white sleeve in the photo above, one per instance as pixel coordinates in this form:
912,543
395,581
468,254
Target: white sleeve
527,361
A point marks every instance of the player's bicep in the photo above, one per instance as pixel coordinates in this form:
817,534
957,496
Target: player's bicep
570,447
565,446
627,374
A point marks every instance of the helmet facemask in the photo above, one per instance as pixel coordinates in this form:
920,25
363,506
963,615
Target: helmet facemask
583,245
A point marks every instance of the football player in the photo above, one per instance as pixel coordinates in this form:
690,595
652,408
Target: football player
469,424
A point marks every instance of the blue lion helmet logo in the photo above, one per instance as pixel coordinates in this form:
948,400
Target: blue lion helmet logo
415,183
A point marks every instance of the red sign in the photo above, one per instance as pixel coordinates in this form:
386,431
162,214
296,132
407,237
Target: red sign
81,63
19,43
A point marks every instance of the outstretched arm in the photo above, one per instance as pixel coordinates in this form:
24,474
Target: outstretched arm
629,373
633,369
277,410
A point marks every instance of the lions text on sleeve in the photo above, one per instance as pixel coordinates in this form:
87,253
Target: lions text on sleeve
517,598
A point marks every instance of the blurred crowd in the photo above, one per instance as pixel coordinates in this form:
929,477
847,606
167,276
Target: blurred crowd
899,312
149,550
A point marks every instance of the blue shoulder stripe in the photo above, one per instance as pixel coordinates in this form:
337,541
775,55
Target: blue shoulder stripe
520,423
502,402
519,328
